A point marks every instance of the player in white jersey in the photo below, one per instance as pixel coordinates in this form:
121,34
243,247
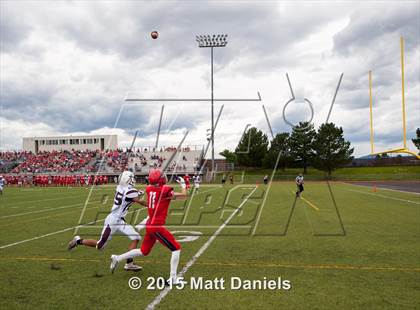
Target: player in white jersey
125,196
197,181
1,184
299,184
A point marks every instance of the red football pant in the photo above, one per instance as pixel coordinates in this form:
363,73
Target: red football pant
161,234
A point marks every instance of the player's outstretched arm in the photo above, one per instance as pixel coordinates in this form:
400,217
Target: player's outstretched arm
183,194
139,199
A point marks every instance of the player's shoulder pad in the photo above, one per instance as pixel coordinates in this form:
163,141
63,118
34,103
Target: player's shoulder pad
167,188
167,191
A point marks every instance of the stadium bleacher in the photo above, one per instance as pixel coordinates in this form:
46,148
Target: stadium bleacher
55,161
20,167
140,161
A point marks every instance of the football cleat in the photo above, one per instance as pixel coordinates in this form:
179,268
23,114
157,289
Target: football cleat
73,243
114,263
132,267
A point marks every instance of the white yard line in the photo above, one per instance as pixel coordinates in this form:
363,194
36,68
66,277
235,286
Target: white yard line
39,200
384,188
185,215
382,196
31,220
56,232
200,252
43,210
35,238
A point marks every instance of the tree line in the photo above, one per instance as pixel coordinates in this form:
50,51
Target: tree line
325,148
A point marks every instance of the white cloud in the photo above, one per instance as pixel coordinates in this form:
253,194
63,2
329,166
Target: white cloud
66,67
12,131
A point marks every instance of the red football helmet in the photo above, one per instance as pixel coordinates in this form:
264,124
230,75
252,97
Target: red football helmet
156,176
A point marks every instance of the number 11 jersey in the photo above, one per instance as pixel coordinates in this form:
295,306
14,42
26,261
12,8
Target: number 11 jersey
158,200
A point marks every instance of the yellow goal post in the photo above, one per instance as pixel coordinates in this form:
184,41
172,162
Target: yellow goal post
404,148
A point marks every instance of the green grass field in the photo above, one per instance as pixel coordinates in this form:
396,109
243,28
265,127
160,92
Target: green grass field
368,260
342,174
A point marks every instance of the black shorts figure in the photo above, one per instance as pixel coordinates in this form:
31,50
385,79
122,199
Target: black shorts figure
299,183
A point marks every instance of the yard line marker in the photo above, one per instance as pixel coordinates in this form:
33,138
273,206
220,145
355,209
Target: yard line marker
308,202
57,232
383,196
200,252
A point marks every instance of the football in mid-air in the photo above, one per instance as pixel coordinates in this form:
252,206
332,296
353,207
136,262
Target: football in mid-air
154,34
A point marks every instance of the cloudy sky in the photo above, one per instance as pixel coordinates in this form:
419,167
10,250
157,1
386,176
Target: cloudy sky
66,67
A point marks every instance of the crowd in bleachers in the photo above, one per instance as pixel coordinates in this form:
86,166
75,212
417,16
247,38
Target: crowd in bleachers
55,161
116,160
68,167
14,155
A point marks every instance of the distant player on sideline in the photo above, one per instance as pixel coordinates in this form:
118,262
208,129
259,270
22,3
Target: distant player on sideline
1,184
265,179
197,181
159,197
187,181
299,184
125,196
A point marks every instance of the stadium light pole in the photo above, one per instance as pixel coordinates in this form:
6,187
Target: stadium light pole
212,41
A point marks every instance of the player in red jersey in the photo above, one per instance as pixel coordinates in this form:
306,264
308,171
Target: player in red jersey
159,197
187,181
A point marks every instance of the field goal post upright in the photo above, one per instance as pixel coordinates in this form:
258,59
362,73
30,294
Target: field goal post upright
404,148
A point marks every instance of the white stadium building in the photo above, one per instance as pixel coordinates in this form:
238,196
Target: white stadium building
77,143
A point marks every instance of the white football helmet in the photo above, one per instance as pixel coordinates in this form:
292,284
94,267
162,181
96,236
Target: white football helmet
127,178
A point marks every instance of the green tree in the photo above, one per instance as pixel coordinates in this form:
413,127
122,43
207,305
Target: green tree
331,150
301,141
230,156
416,141
252,148
279,148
